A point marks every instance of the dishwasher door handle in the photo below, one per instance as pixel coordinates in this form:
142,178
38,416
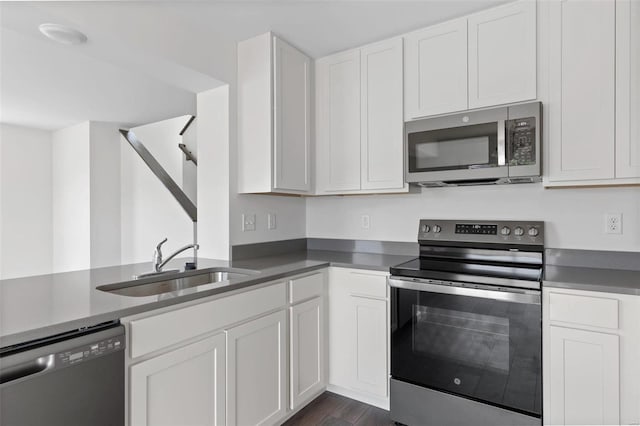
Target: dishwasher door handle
37,366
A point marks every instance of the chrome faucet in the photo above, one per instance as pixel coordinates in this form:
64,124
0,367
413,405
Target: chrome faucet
158,263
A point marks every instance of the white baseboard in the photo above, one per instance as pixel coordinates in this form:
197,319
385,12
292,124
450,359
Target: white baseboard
376,401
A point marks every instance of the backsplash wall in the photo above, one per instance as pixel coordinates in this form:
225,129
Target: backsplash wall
574,217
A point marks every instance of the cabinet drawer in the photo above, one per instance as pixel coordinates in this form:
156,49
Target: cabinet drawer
159,331
584,310
364,283
306,287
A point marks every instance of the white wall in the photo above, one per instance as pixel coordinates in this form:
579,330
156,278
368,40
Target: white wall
25,202
212,133
105,144
71,198
574,217
149,211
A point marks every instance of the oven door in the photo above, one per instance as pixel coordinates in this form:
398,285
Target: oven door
457,147
469,340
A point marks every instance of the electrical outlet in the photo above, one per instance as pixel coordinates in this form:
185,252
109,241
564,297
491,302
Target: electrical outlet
366,221
613,223
248,222
271,221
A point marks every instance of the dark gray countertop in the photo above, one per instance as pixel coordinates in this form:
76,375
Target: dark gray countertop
373,261
40,306
593,279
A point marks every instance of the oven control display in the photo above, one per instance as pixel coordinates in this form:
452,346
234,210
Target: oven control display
471,228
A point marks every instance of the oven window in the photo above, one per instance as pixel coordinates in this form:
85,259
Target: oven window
477,340
478,348
456,148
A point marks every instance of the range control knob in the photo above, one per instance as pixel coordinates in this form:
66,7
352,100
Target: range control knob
533,232
518,231
425,228
436,228
505,230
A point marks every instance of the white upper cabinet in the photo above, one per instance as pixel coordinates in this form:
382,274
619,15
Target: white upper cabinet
338,122
627,89
291,118
274,117
381,123
582,66
436,70
486,59
359,125
502,55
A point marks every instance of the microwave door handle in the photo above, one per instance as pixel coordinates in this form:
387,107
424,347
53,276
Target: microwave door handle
502,154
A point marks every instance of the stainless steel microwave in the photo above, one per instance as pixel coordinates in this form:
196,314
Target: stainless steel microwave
490,146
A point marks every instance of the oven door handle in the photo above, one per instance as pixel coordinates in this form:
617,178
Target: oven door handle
531,297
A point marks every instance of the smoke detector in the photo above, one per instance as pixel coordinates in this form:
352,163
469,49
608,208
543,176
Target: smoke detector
63,34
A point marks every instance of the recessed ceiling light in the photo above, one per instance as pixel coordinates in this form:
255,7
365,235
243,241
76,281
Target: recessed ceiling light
62,34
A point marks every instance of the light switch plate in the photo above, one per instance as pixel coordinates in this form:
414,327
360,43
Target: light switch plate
271,221
248,222
366,221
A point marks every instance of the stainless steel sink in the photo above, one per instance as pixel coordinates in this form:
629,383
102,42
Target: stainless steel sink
160,286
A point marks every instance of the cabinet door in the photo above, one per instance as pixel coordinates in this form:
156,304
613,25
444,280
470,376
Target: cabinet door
581,103
185,386
584,378
382,123
358,332
291,118
627,89
338,122
370,371
256,371
307,346
436,70
502,55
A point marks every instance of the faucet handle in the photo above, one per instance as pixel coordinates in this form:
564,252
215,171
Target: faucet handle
161,243
157,255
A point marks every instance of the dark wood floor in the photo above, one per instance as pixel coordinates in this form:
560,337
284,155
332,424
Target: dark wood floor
330,409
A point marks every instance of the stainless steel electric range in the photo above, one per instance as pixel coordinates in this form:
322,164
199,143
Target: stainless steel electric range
466,325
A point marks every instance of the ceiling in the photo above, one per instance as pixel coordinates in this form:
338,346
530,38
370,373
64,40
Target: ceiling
146,60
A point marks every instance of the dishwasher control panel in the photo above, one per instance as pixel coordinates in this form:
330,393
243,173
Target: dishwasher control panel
90,351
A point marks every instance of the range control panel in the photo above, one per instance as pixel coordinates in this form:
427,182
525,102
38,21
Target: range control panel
471,228
483,231
87,352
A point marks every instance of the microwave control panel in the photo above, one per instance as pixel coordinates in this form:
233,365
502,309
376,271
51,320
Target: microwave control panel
522,141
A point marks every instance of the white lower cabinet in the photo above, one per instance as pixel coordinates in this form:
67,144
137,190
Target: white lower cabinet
256,371
585,377
359,335
185,386
307,347
591,343
369,326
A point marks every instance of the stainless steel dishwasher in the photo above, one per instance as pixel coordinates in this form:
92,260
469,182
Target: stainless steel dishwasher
75,378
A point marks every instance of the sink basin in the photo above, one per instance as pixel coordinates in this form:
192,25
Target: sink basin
161,285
